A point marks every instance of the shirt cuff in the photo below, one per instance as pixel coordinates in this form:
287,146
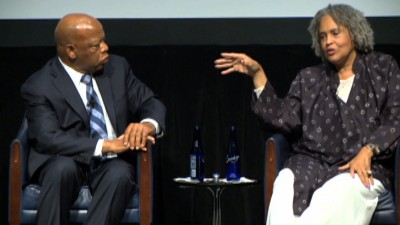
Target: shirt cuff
258,91
149,120
99,148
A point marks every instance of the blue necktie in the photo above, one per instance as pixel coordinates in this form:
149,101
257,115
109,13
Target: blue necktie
98,127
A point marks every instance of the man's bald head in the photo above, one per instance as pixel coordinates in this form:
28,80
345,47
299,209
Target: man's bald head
80,42
71,26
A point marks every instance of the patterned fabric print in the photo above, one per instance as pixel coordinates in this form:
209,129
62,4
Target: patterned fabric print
331,132
306,170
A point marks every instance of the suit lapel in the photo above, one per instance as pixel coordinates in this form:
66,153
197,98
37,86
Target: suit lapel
104,84
66,87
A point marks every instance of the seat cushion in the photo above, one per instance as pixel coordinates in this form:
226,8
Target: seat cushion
30,197
31,193
385,210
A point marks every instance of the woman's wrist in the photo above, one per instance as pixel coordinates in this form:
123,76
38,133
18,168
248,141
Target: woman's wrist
259,79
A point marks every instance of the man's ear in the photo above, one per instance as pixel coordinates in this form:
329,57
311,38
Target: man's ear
71,51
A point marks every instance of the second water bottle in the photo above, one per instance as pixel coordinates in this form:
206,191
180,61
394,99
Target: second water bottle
232,158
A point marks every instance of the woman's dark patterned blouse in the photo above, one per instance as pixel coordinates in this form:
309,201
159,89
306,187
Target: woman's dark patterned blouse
331,132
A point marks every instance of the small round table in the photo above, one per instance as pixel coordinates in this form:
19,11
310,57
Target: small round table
216,189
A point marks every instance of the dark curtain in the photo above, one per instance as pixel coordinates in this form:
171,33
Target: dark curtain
194,93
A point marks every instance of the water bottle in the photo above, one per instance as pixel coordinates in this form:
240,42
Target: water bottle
232,158
197,157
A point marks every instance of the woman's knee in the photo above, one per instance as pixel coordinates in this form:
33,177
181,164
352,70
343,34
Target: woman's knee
284,177
347,186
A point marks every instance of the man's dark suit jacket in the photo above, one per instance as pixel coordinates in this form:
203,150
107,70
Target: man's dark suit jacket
58,123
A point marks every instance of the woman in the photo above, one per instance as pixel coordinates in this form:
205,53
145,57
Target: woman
345,113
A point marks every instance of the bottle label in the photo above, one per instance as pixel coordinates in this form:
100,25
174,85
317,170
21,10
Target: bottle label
232,176
193,166
232,159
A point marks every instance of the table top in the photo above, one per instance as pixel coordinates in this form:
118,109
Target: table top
210,182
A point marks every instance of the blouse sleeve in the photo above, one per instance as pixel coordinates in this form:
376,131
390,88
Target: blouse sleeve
387,132
280,113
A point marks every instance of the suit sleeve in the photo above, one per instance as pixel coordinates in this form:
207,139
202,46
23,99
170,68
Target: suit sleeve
144,102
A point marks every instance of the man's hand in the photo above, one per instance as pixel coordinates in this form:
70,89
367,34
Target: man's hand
361,164
137,134
116,146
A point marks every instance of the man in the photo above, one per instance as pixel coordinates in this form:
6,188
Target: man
68,102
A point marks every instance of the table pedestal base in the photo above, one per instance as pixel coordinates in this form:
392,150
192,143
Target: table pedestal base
216,189
216,193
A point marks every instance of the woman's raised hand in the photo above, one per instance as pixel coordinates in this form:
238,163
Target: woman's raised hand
241,63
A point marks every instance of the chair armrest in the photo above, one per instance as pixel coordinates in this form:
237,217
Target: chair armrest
277,149
280,145
15,183
146,184
17,173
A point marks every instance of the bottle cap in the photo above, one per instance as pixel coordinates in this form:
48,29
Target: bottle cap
216,177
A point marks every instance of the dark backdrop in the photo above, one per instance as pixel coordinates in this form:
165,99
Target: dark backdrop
184,77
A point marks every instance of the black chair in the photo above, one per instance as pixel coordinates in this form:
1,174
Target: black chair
277,149
23,195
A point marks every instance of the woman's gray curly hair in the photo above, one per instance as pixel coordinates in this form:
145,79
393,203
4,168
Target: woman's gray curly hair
343,15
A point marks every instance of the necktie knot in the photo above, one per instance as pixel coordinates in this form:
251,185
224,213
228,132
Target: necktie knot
86,79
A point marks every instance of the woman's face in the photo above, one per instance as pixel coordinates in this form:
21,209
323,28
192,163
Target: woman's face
336,42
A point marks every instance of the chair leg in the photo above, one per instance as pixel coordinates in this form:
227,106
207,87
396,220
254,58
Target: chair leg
15,185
